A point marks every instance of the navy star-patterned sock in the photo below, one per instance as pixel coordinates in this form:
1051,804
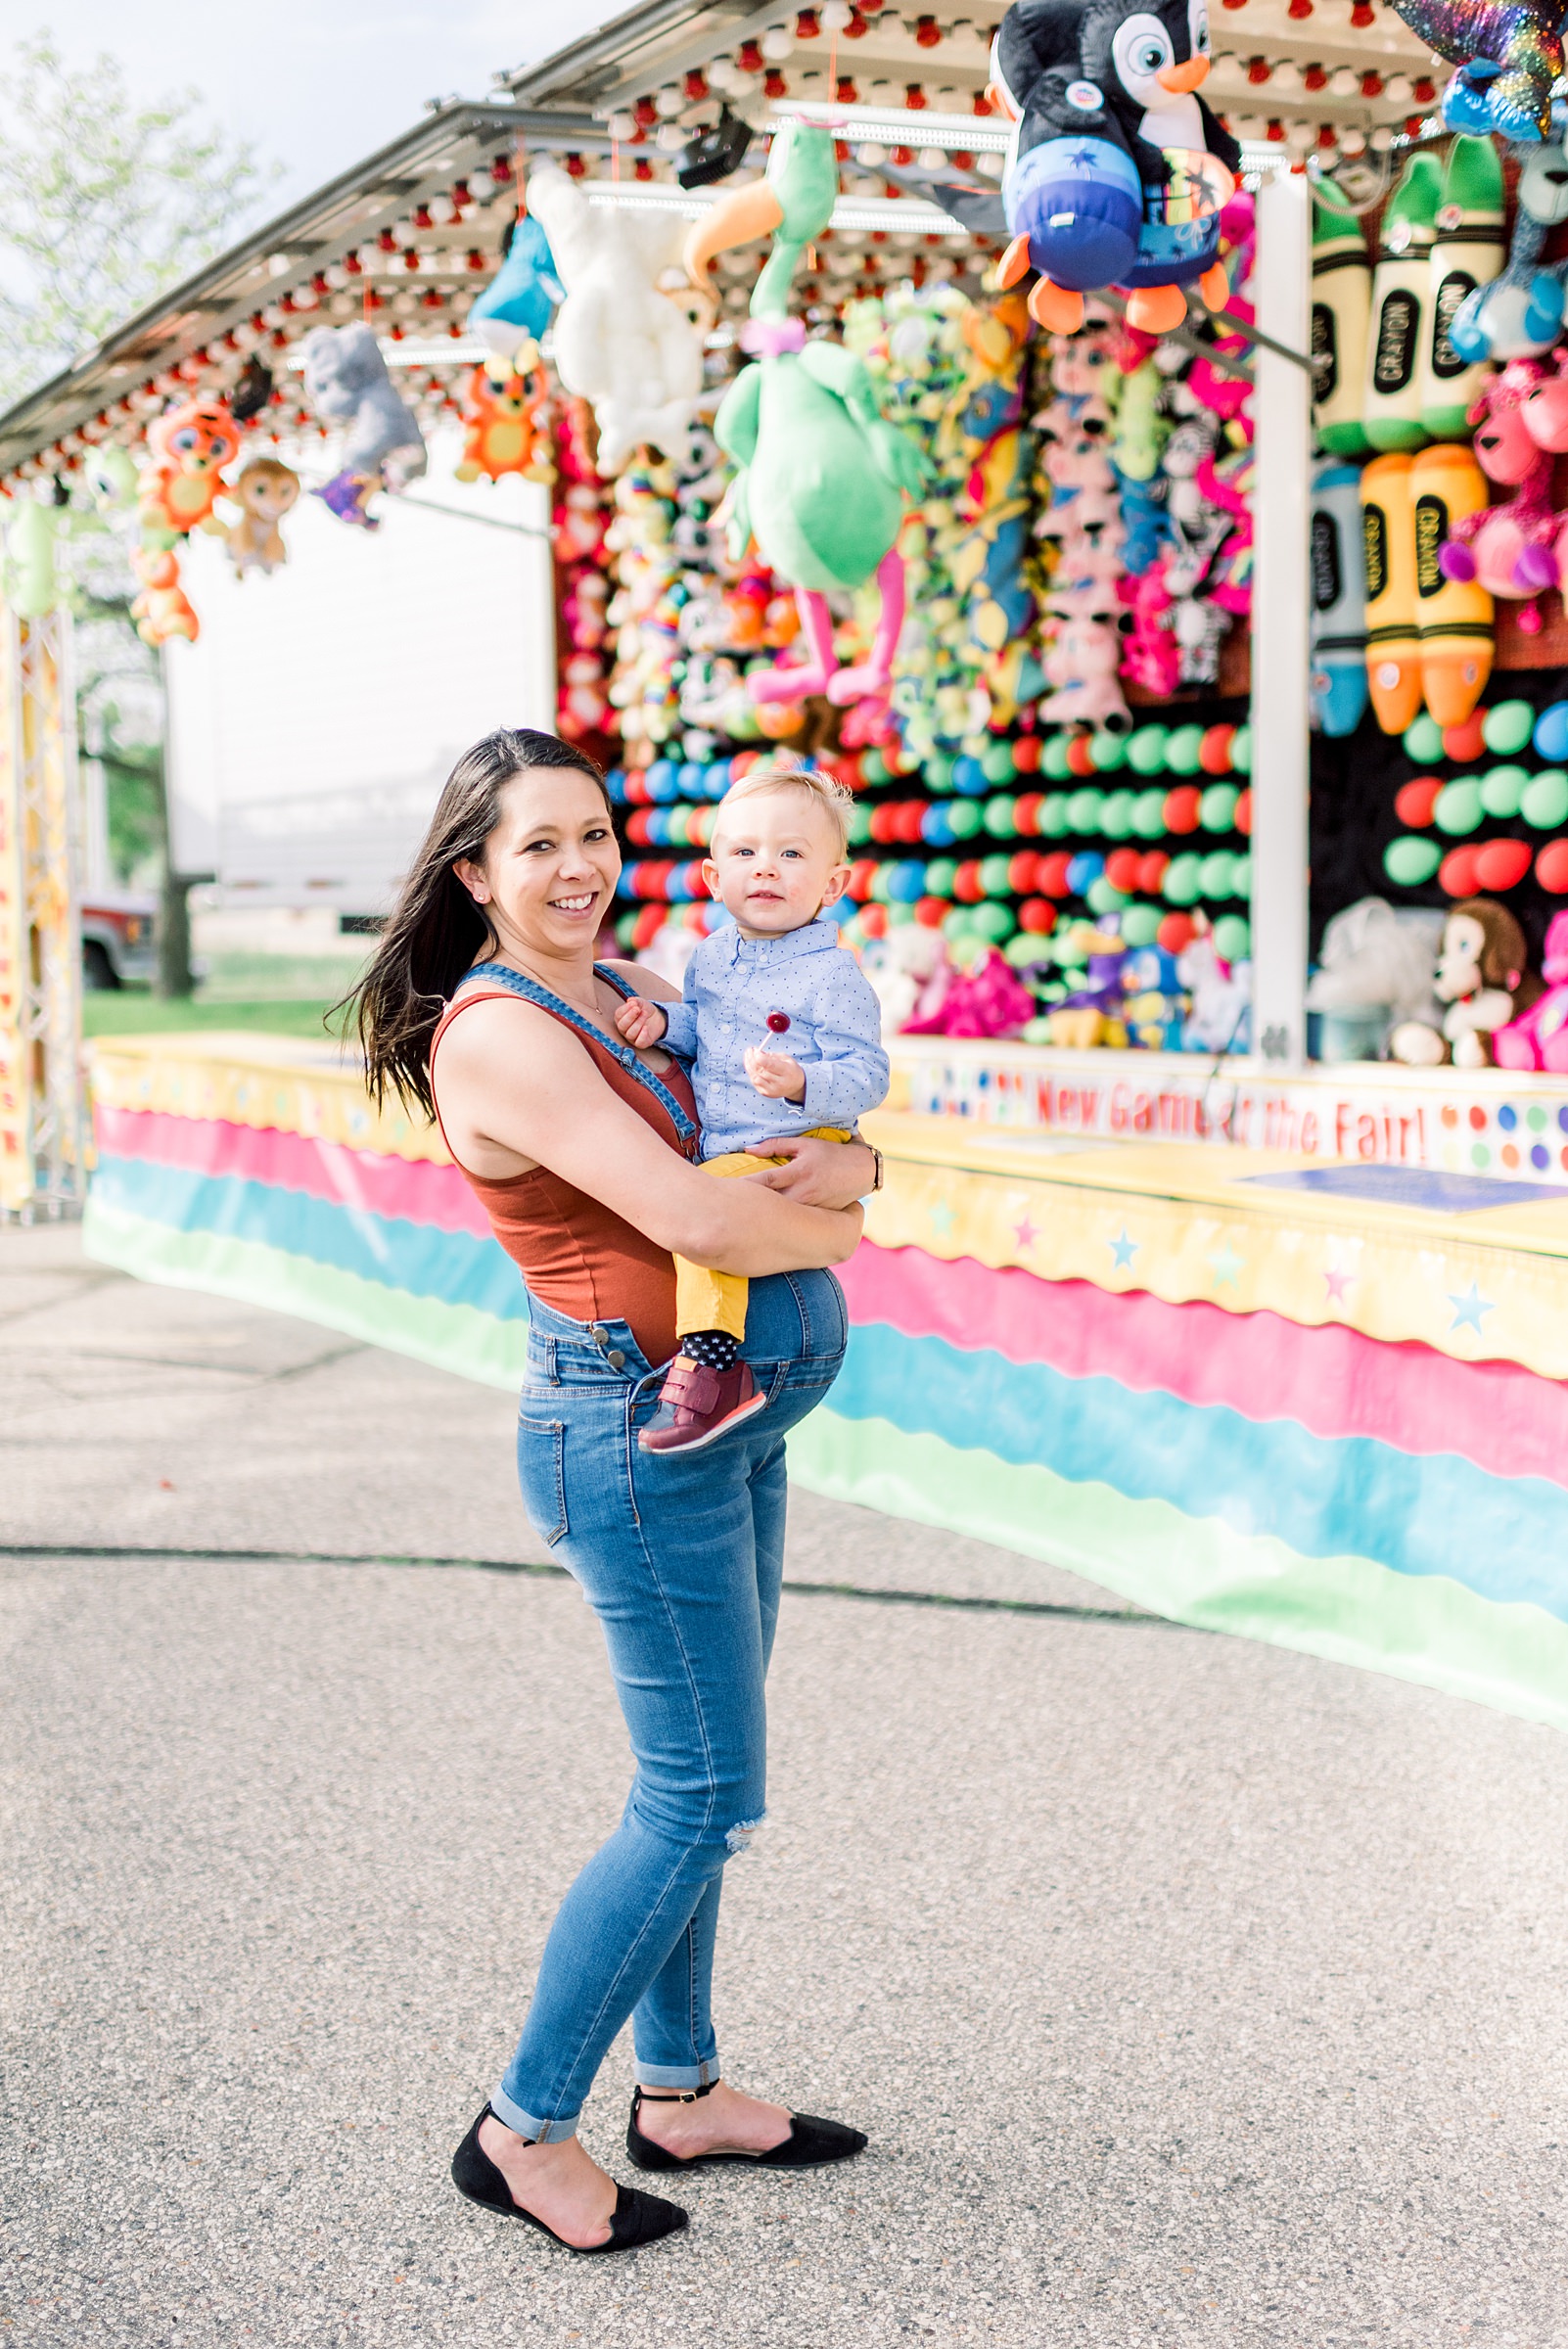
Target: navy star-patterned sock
714,1348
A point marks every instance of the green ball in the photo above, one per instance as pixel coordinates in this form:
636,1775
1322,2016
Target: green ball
873,768
1000,816
965,819
1102,897
881,883
996,763
938,772
958,924
1423,740
679,827
1182,747
1216,874
1148,815
1457,808
1232,938
1503,789
994,922
1084,808
1544,802
1217,810
1024,947
1053,757
1115,816
1141,925
1145,751
899,916
857,822
627,928
1072,945
1241,875
1183,879
941,874
994,875
1410,860
1241,750
1507,727
1053,817
1108,752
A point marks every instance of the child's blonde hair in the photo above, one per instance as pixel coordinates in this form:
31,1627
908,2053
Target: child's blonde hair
779,773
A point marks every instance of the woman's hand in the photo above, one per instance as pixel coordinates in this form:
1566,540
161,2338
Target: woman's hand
818,1173
640,1022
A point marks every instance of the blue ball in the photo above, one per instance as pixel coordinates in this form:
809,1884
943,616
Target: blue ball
716,778
908,881
1080,203
615,785
693,780
1084,872
1551,733
969,777
657,827
664,780
936,827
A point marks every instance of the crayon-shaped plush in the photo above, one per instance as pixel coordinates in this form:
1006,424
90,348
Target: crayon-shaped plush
1469,250
1401,286
1342,305
1388,543
1339,679
1453,617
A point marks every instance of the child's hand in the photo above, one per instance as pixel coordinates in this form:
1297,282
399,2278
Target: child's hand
775,1076
642,1022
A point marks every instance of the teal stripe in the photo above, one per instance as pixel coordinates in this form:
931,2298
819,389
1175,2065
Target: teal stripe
453,1267
1505,1539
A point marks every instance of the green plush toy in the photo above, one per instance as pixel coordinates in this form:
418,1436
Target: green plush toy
822,473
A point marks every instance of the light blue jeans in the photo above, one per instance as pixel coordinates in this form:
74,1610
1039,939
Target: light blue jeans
680,1555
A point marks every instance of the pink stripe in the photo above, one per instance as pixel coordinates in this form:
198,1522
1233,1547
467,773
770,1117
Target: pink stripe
1331,1380
412,1189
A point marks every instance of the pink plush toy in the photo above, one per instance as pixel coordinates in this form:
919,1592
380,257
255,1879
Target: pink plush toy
1151,655
988,1000
1228,484
1545,410
1080,664
1510,549
1540,1039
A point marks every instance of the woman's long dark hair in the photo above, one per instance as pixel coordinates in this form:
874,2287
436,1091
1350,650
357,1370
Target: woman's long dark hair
435,930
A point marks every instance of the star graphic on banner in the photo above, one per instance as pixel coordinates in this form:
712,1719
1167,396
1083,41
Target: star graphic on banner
1227,1265
941,1217
1122,1250
1338,1281
1468,1308
1025,1234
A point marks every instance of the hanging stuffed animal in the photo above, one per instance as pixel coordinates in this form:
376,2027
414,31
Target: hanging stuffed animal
823,473
505,428
1508,51
620,341
265,492
1519,314
30,582
1119,170
511,315
346,383
189,447
162,608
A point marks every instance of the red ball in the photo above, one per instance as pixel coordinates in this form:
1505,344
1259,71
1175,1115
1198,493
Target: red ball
637,792
873,920
1081,756
1025,812
1152,869
931,912
967,886
637,827
1036,917
1122,868
1021,871
1182,808
1551,867
1501,863
1050,874
650,921
907,819
1177,931
1413,805
742,763
883,819
1026,754
1213,751
1457,872
1466,742
1242,819
858,884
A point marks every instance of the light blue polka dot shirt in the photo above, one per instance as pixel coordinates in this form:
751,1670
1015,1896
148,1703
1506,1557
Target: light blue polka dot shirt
834,1030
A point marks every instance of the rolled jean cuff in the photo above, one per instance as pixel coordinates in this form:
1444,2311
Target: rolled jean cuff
542,2133
678,2075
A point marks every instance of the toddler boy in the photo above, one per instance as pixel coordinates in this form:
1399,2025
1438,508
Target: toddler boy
774,1011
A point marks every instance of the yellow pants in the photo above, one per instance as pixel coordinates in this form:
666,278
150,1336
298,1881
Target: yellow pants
707,1299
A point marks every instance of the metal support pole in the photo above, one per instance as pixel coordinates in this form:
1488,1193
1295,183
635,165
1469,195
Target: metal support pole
1281,648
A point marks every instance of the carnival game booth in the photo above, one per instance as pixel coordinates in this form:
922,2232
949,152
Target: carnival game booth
1176,1279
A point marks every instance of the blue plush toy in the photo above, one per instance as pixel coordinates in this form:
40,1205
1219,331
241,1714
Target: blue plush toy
512,314
1519,314
345,381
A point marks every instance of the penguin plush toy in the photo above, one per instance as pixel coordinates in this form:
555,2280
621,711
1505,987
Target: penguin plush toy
1118,169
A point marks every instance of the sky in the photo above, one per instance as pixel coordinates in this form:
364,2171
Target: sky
343,77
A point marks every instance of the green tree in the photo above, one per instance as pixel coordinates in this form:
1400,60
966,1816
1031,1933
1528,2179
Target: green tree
102,205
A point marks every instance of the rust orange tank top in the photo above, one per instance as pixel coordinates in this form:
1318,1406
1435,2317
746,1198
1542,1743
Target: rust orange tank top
572,1252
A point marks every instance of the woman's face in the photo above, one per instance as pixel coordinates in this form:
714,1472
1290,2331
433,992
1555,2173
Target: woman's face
548,876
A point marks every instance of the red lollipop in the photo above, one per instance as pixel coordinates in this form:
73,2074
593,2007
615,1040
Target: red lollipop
778,1022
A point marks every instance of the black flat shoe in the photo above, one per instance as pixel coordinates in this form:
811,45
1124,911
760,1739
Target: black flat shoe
638,2218
810,2143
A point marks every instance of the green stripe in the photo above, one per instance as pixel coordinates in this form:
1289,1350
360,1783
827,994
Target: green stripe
451,1337
1198,1570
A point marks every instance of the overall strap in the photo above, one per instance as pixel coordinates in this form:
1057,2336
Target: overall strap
532,993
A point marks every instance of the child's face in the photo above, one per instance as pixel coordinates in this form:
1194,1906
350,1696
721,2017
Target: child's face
775,862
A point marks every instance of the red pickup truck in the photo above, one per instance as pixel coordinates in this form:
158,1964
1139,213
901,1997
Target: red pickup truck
117,936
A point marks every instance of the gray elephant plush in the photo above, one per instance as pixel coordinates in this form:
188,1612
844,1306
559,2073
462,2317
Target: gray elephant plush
346,383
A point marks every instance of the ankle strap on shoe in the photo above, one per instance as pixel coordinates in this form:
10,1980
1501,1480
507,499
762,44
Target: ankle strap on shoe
672,2096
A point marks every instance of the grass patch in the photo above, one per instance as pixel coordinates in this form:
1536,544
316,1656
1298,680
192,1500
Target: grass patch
127,1011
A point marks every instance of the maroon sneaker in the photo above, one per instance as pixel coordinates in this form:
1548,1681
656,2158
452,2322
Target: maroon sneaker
696,1404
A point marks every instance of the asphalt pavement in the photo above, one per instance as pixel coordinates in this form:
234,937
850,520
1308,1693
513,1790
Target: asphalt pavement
1193,1992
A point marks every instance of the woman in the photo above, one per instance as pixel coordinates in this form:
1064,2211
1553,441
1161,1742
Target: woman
579,1149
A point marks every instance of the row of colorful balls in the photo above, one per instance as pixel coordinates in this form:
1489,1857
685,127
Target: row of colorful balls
1106,884
1148,815
1503,730
1488,866
1022,938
